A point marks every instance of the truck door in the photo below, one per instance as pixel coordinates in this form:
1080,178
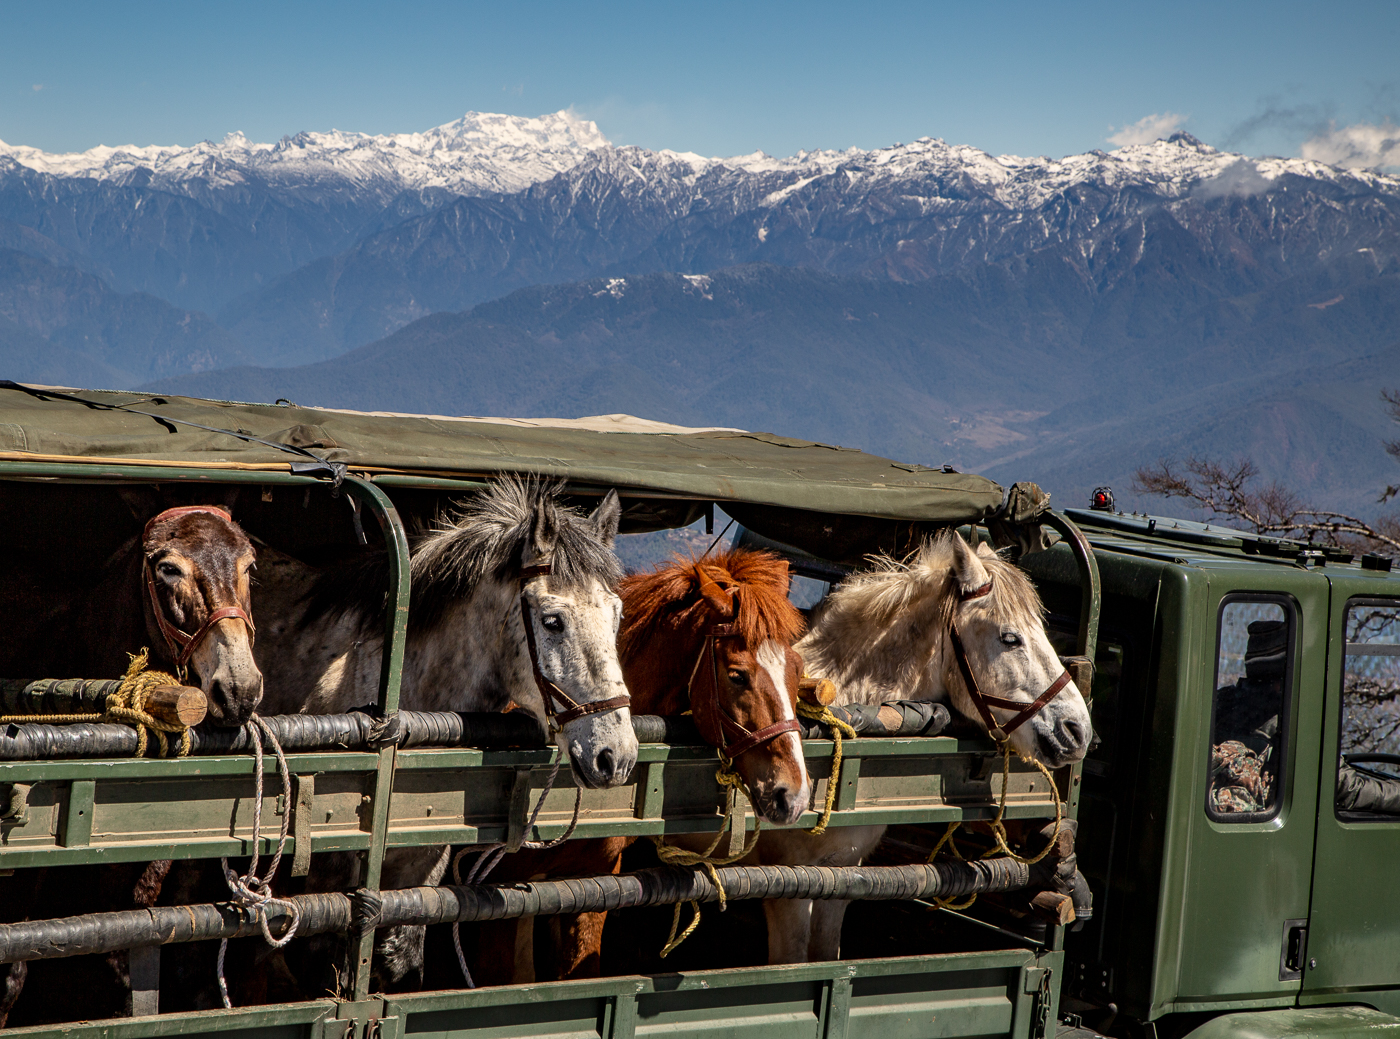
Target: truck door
1352,950
1254,754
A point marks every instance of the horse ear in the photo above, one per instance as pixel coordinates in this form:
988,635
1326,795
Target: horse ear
544,533
143,502
967,566
722,601
607,517
986,551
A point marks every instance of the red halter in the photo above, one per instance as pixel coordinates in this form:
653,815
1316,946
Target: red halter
181,644
551,694
713,721
983,702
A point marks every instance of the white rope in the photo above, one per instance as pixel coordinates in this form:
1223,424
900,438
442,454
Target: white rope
251,892
492,854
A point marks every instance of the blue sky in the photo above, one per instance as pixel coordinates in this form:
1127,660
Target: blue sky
716,78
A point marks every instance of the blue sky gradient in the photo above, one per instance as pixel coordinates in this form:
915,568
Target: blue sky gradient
716,78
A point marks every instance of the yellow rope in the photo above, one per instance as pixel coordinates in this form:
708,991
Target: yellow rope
999,828
126,706
673,856
948,903
820,713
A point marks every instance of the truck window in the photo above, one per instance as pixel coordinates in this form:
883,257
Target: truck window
1253,673
1368,773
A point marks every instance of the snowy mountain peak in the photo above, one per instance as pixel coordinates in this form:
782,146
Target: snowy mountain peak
476,154
488,153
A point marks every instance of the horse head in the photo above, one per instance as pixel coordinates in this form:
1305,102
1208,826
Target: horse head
952,623
998,663
719,632
570,617
196,565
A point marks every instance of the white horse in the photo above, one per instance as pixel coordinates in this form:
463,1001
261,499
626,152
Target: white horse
889,634
512,550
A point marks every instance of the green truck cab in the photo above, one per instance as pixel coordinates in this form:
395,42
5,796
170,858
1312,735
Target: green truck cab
1223,906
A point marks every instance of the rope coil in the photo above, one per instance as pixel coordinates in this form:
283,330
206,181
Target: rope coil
493,853
673,856
127,707
998,828
839,729
253,893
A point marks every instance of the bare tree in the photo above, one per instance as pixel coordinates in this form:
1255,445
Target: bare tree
1231,491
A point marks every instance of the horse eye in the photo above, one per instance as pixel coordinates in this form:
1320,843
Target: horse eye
1010,638
739,678
171,571
552,622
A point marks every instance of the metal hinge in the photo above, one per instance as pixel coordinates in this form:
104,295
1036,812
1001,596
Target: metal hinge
1039,986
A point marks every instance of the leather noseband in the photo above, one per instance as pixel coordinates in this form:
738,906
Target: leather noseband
182,644
554,697
983,702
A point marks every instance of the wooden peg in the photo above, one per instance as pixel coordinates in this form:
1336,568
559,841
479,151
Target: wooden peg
820,691
177,704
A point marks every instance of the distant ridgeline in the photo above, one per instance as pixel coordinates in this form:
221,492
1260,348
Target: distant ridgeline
1063,320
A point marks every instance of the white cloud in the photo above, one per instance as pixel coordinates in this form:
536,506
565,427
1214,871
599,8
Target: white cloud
1360,145
1147,129
38,87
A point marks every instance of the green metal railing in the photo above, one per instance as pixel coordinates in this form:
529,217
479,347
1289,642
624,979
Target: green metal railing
382,794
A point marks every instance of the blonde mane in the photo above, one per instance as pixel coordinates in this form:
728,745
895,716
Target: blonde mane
878,635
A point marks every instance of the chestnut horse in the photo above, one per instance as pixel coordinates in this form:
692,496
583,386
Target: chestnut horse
713,636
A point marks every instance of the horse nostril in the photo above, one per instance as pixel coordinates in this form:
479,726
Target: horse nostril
1077,732
782,802
606,763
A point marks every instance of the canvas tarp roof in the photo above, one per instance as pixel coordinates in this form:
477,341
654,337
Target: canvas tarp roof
717,465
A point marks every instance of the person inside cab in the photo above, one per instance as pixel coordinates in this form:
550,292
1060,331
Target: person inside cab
1244,748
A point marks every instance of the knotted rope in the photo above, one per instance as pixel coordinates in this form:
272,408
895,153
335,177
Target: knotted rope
126,706
998,828
821,713
673,856
251,892
490,855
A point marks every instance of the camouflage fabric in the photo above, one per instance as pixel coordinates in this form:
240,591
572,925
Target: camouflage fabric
1240,779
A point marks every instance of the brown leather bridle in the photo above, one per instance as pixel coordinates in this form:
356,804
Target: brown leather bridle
553,696
983,702
713,721
182,645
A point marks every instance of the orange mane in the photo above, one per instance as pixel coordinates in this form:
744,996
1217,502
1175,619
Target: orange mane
757,580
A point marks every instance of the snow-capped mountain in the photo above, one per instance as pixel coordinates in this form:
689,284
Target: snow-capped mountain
476,154
924,299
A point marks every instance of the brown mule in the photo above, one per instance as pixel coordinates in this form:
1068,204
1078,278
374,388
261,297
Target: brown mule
183,590
713,636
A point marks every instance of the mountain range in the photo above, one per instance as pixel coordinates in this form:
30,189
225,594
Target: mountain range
1056,319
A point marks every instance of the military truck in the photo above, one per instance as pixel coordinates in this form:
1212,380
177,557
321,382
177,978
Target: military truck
1236,820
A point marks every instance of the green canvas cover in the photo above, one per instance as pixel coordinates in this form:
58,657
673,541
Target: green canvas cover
761,469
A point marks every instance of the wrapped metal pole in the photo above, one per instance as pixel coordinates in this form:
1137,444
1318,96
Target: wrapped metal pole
320,913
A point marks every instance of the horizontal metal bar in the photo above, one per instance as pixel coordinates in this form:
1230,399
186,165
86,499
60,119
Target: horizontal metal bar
121,472
333,911
148,851
1373,649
